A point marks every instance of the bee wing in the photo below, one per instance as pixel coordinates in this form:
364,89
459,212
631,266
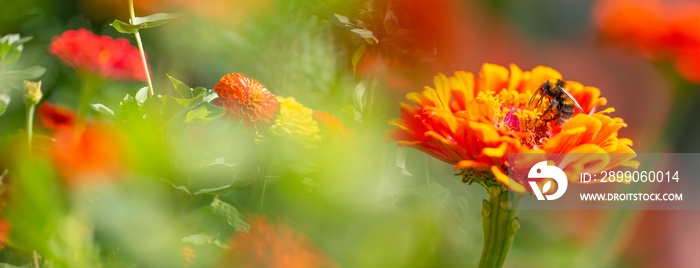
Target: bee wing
537,92
573,99
532,98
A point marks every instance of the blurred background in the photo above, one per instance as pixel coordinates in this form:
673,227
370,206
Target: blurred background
363,203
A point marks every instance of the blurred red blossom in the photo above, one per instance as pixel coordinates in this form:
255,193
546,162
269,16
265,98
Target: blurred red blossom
658,29
88,153
109,58
4,232
246,101
54,116
274,245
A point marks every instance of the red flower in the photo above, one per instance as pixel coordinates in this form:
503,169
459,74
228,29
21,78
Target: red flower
246,100
274,245
55,117
658,29
4,232
101,55
87,153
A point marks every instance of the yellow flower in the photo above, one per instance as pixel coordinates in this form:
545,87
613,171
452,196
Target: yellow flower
296,122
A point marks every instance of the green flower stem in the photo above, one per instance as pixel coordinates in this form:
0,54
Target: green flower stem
143,54
30,124
500,223
90,84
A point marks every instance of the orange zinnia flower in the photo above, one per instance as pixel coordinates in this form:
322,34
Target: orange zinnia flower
473,123
55,117
274,245
100,55
246,100
659,29
332,127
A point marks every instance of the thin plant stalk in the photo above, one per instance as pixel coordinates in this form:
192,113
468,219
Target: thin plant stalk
30,124
140,45
36,259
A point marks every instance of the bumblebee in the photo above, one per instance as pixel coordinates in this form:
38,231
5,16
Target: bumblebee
562,105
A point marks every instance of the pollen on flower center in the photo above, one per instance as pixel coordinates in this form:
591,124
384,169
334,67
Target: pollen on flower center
527,124
511,120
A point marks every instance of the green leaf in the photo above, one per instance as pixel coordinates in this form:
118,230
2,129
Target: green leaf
230,214
143,22
124,27
359,97
4,102
357,56
130,108
30,73
401,160
182,90
202,239
352,25
311,183
204,113
9,54
14,78
142,95
391,22
213,178
218,177
366,34
163,109
14,39
303,167
11,46
39,209
156,20
351,111
209,94
178,187
99,107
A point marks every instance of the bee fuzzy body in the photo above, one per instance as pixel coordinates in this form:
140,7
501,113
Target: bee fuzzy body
561,108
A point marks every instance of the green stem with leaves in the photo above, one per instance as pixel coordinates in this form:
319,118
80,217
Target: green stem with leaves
140,45
499,222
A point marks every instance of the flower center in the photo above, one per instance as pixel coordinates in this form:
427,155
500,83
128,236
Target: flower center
104,56
528,126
